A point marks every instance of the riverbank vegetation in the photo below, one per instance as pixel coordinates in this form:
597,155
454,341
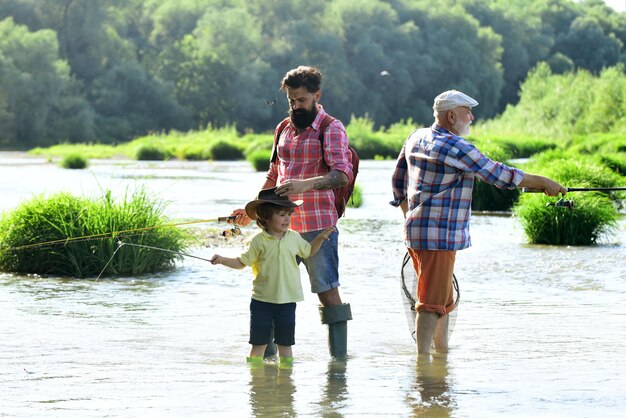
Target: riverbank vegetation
111,71
82,237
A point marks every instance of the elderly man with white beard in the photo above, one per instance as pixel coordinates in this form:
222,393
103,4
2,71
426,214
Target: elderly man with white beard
432,184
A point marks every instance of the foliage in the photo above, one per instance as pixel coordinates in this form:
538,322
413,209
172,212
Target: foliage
562,106
370,143
65,219
260,159
150,152
74,161
594,214
356,200
592,217
225,150
111,71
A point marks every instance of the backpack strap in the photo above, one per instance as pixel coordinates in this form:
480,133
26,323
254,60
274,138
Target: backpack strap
279,130
325,122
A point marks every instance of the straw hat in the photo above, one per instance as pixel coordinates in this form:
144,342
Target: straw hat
269,196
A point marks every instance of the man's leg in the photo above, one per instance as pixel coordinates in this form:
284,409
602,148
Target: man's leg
323,269
425,326
434,270
336,314
441,334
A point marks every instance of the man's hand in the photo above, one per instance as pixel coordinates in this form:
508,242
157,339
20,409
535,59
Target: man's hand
241,218
292,187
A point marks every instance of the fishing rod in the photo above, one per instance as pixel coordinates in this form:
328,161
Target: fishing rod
115,234
577,189
564,203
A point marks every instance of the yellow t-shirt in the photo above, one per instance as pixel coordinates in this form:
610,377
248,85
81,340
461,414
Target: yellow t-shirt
274,266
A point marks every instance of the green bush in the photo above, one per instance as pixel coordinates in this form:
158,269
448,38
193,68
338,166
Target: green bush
260,159
74,161
592,217
490,198
594,214
150,152
72,236
257,142
222,150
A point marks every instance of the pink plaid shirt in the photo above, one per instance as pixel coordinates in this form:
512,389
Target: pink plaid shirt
300,157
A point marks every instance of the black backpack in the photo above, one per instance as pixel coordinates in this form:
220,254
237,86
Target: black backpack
342,194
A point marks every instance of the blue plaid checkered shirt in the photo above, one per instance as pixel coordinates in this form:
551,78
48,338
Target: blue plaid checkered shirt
435,174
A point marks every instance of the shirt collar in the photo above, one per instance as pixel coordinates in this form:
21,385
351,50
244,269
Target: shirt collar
440,129
321,114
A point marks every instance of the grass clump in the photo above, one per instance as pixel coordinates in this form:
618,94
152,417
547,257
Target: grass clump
594,214
592,217
74,161
66,220
260,159
150,152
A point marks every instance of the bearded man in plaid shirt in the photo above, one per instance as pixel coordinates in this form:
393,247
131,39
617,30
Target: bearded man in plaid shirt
432,183
305,169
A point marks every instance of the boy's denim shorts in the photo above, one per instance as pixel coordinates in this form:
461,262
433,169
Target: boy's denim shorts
264,314
323,267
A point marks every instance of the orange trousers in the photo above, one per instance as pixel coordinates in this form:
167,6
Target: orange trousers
434,270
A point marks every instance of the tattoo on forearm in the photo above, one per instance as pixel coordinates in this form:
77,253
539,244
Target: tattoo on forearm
332,180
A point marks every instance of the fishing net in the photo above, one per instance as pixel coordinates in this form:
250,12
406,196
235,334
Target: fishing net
409,296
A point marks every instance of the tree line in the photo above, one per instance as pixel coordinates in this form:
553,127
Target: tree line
112,70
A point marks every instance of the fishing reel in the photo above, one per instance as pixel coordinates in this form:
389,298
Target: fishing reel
232,232
562,203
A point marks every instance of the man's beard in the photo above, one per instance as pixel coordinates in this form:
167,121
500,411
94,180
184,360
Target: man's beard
302,118
462,129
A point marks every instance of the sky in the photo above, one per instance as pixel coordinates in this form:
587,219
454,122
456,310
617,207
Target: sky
619,5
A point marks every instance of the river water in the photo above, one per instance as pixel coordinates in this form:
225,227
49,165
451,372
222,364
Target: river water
540,330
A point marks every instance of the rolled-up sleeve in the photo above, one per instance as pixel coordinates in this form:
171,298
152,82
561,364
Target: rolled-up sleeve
399,179
336,151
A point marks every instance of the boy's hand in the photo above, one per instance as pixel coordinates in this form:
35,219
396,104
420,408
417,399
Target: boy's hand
326,233
215,259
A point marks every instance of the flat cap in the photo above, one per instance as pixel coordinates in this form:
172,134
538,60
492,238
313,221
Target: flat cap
451,99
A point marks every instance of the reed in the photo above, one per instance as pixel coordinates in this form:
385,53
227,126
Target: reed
63,217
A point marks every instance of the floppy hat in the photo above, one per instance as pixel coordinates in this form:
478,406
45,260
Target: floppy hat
269,196
451,99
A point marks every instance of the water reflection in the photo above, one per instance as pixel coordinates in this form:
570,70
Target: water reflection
271,391
336,389
430,396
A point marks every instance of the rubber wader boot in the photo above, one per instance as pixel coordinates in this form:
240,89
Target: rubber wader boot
336,317
271,350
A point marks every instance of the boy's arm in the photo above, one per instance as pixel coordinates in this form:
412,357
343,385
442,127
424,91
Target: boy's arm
231,262
318,240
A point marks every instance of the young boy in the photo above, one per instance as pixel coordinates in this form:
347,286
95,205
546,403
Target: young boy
276,285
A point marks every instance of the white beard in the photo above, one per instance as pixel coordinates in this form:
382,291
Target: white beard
462,129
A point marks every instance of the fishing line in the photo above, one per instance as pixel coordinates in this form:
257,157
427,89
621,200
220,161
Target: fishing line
120,244
112,234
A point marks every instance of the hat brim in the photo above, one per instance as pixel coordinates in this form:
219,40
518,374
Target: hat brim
253,205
